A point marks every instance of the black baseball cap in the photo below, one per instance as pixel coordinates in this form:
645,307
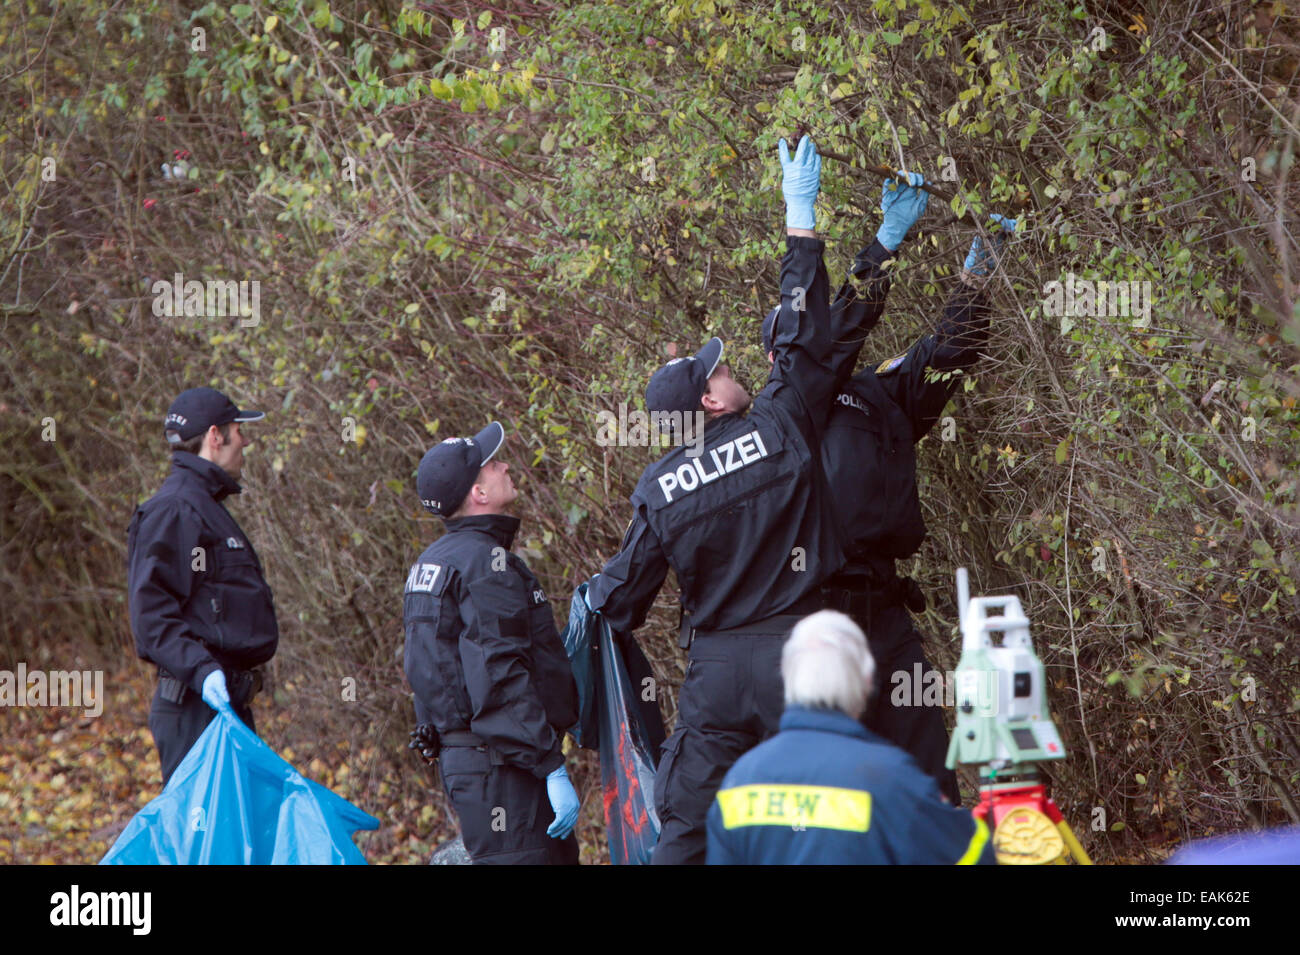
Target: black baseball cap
447,470
679,385
195,411
769,329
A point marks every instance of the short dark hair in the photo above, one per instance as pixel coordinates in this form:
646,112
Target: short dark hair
195,444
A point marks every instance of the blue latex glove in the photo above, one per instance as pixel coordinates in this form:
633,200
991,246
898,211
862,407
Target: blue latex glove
902,202
983,256
801,181
564,800
214,690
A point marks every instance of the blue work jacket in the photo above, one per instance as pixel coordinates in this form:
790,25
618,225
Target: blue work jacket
826,791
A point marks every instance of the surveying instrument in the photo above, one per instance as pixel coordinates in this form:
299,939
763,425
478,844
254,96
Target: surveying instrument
1005,729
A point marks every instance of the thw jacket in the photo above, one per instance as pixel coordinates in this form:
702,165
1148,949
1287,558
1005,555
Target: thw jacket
826,791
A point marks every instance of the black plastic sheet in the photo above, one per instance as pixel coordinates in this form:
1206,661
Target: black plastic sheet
618,715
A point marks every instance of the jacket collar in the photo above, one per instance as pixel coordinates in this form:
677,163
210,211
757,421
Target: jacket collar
500,527
212,477
825,721
713,425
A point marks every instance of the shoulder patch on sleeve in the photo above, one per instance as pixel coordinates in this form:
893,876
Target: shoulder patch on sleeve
890,364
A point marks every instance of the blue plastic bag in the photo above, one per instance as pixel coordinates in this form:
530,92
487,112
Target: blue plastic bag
618,714
233,801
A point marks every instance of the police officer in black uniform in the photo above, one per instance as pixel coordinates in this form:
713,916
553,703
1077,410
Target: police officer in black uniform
200,607
494,694
743,518
868,454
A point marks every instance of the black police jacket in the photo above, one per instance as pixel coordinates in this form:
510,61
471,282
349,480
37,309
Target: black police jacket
197,596
482,652
868,449
747,524
857,307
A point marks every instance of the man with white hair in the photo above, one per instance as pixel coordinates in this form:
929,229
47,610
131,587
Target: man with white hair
825,790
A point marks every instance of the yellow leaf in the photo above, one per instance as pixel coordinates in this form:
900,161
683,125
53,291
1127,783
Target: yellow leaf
270,23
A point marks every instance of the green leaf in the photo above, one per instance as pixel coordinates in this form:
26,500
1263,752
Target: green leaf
1063,450
241,11
893,39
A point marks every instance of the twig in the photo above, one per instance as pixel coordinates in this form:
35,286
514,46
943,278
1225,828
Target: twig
1253,87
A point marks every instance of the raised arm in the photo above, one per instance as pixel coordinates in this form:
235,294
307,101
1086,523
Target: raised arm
915,380
861,299
801,369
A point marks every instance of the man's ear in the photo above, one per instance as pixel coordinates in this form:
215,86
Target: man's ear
711,403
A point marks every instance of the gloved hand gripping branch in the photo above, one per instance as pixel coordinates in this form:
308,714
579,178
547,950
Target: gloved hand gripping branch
902,201
983,258
800,182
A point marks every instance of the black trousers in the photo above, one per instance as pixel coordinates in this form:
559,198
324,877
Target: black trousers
916,723
176,727
730,701
503,811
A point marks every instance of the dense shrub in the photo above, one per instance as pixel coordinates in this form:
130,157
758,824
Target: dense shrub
456,214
